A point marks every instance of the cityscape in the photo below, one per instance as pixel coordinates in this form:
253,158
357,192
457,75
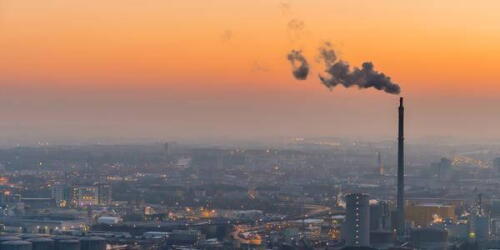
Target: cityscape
249,125
317,193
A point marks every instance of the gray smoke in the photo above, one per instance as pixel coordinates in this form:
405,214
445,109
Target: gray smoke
285,7
295,29
299,64
339,72
327,54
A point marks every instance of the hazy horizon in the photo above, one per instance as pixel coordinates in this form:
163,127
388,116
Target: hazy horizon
73,71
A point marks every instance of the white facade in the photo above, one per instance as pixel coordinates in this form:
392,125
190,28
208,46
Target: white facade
109,220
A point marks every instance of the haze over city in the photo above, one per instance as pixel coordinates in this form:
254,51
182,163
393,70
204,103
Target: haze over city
249,125
74,71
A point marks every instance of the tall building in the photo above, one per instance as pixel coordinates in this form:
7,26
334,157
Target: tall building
104,194
495,208
57,193
380,216
83,196
380,165
356,228
479,222
60,194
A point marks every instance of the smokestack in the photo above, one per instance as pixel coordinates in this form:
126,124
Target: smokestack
380,164
401,173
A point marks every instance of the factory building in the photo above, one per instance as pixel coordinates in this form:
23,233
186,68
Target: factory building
356,228
104,194
82,196
85,196
60,194
429,238
425,214
380,217
479,227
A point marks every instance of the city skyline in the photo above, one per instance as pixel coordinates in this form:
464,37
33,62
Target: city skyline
249,124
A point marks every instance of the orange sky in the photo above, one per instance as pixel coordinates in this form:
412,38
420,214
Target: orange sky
185,67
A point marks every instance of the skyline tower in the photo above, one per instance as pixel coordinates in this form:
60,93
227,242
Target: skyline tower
356,228
401,173
380,165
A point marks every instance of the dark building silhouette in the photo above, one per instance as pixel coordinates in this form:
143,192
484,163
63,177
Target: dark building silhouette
401,172
356,228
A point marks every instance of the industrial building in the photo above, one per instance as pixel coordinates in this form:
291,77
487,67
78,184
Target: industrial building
356,228
425,214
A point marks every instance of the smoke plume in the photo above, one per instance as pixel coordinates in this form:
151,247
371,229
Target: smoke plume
295,29
339,72
299,64
285,7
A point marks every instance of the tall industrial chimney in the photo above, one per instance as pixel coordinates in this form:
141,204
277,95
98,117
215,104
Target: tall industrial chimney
401,173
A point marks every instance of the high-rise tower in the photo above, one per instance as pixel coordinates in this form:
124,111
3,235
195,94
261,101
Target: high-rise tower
380,165
356,227
401,173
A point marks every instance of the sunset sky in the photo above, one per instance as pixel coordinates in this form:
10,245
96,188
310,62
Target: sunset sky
217,68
